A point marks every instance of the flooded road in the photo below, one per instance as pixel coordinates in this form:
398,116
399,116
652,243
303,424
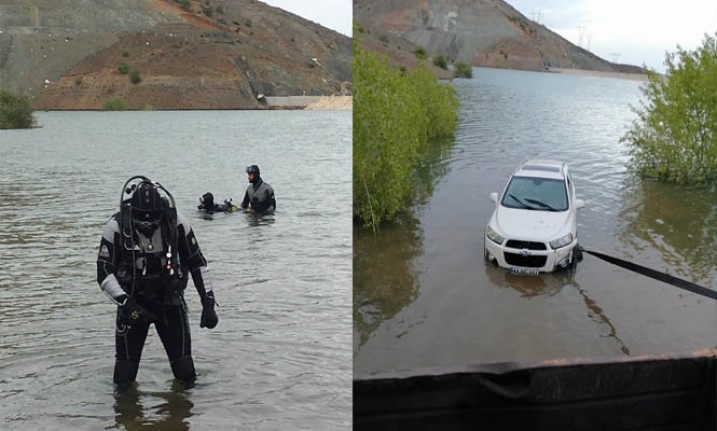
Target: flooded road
424,297
280,357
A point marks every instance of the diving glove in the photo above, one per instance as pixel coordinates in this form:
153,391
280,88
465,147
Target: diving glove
132,313
209,316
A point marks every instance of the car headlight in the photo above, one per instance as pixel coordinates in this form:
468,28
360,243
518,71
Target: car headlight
562,241
493,236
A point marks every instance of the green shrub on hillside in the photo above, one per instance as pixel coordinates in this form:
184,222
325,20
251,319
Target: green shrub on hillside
420,53
125,53
440,61
394,116
114,104
463,70
134,77
183,3
123,68
674,137
15,112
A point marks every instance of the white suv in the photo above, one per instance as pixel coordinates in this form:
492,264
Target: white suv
533,227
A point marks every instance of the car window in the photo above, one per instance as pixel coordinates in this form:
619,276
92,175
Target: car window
540,194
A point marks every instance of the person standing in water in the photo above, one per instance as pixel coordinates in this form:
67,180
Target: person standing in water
146,253
259,195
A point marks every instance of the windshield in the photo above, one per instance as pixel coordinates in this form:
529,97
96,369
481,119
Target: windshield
541,194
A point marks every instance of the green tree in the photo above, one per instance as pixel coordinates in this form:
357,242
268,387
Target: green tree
438,102
394,116
674,137
15,112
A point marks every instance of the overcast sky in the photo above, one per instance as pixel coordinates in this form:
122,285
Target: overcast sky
333,14
630,31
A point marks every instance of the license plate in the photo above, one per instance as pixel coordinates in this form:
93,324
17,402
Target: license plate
523,271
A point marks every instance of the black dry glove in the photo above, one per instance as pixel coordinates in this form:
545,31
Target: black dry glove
132,313
209,316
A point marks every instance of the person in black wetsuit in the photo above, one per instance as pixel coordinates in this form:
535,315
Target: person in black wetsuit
259,194
207,204
146,254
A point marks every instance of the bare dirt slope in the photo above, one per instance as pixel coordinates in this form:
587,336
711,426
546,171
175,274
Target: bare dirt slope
478,32
213,55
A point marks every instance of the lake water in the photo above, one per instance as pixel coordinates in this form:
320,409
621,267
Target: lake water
424,297
280,357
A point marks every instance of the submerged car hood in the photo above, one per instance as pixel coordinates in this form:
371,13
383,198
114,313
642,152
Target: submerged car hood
531,224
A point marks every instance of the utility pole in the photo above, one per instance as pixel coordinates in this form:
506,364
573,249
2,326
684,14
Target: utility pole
615,56
537,14
590,40
581,30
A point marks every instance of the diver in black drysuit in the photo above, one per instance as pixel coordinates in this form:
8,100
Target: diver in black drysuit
259,194
206,203
146,252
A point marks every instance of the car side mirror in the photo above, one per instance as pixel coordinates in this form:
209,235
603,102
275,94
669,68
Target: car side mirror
579,203
494,197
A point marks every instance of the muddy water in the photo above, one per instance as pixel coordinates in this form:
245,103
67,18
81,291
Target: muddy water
424,297
280,357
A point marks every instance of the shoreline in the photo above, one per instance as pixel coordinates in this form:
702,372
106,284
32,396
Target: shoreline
280,103
600,74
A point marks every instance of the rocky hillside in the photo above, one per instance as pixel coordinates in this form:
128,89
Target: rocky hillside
479,32
190,54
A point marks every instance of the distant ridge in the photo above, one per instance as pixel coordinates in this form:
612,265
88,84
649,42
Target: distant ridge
487,33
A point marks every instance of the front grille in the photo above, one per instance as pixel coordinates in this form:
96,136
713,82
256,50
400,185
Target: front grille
530,245
516,259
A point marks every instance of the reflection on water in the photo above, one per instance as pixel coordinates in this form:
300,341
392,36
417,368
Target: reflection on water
384,278
254,219
153,410
432,167
597,314
678,222
530,286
